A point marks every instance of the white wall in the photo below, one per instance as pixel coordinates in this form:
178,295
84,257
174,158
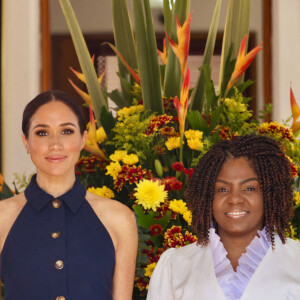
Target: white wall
286,58
21,79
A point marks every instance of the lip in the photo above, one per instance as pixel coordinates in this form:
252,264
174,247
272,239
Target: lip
236,214
56,158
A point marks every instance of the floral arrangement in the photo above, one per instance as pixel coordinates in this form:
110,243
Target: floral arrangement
145,155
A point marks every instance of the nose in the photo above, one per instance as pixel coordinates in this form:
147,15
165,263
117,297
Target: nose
55,142
235,197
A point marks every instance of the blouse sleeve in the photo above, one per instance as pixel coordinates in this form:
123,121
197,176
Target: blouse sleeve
160,287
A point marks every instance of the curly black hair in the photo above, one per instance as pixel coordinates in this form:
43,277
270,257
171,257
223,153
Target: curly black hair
275,179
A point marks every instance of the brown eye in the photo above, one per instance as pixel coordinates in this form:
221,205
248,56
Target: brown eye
41,133
67,131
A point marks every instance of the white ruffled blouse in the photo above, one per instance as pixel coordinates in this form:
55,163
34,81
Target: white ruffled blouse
234,283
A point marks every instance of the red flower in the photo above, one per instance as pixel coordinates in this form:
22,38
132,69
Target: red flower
188,172
167,182
156,229
176,185
177,166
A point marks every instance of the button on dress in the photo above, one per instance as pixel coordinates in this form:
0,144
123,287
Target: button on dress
57,249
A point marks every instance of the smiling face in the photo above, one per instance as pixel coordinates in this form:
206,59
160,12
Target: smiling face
54,140
238,205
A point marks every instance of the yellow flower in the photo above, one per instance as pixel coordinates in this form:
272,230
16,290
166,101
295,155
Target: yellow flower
101,135
130,159
103,192
128,111
178,206
235,106
173,143
187,215
150,194
193,134
118,155
297,197
149,269
195,144
113,169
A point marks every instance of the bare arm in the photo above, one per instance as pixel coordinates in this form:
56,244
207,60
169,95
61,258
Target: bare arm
126,250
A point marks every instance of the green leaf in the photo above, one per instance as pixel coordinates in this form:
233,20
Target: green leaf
197,97
228,70
108,121
117,97
147,56
145,220
85,61
124,41
6,192
237,25
196,121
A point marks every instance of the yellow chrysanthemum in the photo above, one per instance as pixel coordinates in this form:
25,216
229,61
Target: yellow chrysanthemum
118,155
103,192
173,143
297,198
149,269
178,206
130,159
193,134
113,169
101,135
195,144
150,194
187,215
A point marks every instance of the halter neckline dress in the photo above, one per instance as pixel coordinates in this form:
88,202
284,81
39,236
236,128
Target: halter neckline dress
57,249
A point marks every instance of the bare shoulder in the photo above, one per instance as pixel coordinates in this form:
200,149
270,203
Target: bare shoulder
12,206
9,211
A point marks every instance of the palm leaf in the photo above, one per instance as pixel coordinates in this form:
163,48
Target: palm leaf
124,41
146,50
98,99
197,98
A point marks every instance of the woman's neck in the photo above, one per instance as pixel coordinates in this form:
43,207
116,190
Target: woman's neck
55,186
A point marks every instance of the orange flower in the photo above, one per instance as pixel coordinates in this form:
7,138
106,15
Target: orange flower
163,55
181,49
91,144
86,97
295,112
182,105
242,61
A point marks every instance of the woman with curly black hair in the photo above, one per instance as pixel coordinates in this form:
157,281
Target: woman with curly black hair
241,199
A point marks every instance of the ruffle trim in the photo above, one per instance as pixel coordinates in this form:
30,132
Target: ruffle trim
234,283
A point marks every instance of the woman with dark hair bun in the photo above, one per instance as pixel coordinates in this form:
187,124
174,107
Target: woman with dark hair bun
58,241
241,198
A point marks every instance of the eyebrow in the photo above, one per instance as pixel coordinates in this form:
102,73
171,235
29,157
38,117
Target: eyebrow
242,182
63,124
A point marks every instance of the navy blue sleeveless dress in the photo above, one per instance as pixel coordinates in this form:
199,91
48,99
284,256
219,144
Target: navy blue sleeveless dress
57,249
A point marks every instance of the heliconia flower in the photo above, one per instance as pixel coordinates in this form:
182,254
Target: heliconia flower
131,71
85,96
182,105
295,112
163,55
91,144
181,49
242,61
79,75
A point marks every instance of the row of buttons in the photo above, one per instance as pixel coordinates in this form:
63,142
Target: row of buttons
59,264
